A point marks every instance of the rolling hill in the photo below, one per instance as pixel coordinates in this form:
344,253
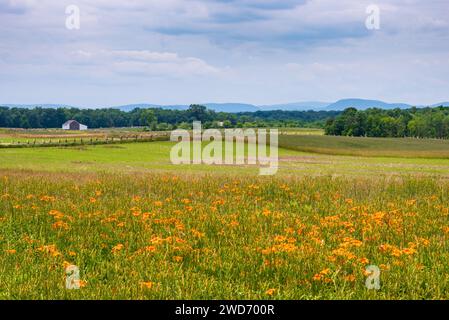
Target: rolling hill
362,104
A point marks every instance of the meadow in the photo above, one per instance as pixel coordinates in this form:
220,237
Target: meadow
154,157
139,227
36,137
368,147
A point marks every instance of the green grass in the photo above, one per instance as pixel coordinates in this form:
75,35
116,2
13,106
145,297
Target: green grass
370,147
154,156
301,131
128,157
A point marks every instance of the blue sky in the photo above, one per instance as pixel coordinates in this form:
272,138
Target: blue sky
253,51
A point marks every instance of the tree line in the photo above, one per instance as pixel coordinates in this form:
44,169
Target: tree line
159,119
413,122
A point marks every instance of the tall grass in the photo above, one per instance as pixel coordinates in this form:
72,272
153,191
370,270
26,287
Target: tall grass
370,147
164,236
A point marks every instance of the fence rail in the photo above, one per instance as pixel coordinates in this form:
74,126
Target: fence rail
69,142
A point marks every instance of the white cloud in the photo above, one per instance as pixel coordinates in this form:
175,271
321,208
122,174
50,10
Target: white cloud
145,63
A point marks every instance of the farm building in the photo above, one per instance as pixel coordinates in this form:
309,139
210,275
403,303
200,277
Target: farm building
73,125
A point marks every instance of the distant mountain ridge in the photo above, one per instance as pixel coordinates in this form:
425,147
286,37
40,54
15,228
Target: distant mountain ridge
235,107
444,104
131,107
292,106
32,106
361,104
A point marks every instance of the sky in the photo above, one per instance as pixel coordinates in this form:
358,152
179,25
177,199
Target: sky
250,51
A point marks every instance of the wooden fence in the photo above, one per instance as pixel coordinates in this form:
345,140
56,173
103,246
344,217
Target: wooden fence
68,142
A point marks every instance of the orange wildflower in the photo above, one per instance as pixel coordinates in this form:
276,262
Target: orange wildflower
147,284
266,212
197,233
270,292
409,251
60,225
364,261
117,248
234,223
177,258
150,249
350,278
384,267
50,249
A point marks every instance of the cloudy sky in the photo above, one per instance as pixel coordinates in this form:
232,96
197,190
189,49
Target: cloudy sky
193,51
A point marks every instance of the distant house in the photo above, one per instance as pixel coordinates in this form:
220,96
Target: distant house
73,125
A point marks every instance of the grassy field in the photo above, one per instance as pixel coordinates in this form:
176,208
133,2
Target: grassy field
301,131
139,227
154,157
30,136
370,147
167,236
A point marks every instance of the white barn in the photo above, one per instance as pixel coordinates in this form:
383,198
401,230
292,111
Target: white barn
73,125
